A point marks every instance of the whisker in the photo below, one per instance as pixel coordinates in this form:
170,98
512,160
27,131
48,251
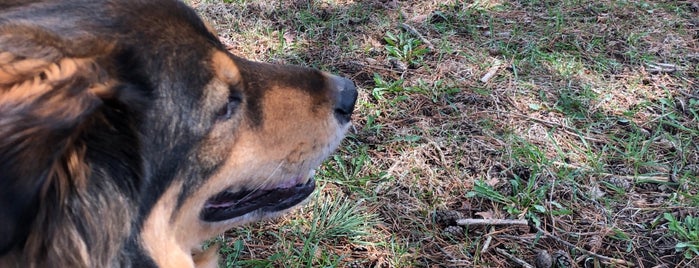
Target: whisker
267,180
271,175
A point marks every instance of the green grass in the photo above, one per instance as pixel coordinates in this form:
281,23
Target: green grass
687,232
333,221
575,132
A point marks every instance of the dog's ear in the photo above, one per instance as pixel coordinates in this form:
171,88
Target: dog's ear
48,97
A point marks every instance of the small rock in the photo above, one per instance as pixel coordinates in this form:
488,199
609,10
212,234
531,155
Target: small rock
543,259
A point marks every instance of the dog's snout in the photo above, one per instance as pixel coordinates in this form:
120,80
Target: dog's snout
345,99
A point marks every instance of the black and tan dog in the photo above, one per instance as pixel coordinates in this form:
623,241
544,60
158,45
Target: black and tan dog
129,135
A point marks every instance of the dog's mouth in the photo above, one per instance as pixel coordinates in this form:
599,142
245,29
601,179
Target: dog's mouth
228,204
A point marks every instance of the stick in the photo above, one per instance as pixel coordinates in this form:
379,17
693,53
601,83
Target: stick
601,257
488,239
657,179
469,222
661,67
374,67
513,258
416,33
492,71
567,129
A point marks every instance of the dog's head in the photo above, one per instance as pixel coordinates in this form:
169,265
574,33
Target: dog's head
129,135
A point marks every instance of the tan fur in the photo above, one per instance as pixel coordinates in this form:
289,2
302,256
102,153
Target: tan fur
160,234
206,258
13,69
224,68
21,93
217,145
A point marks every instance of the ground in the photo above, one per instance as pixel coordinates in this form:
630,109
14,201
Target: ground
575,121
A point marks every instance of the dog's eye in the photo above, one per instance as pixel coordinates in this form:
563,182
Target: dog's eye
226,112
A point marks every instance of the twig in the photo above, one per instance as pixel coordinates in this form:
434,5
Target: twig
469,222
446,253
513,258
492,71
601,257
566,129
551,195
626,177
416,33
688,94
637,178
656,67
488,239
523,237
375,67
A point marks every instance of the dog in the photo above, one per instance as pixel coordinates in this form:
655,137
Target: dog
129,135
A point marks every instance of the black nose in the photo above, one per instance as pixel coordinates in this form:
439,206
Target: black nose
346,97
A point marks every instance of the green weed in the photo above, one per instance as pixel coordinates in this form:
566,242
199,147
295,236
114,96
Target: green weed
687,232
350,172
527,200
438,91
381,87
404,47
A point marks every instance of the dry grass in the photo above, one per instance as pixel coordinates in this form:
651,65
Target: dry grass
588,128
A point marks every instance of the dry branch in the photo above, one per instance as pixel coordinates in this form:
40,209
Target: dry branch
488,240
513,258
661,68
492,71
566,129
414,31
374,67
469,222
659,179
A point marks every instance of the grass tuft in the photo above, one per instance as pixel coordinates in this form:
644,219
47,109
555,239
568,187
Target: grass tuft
687,232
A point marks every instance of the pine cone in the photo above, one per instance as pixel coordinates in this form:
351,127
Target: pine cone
562,259
453,232
447,217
